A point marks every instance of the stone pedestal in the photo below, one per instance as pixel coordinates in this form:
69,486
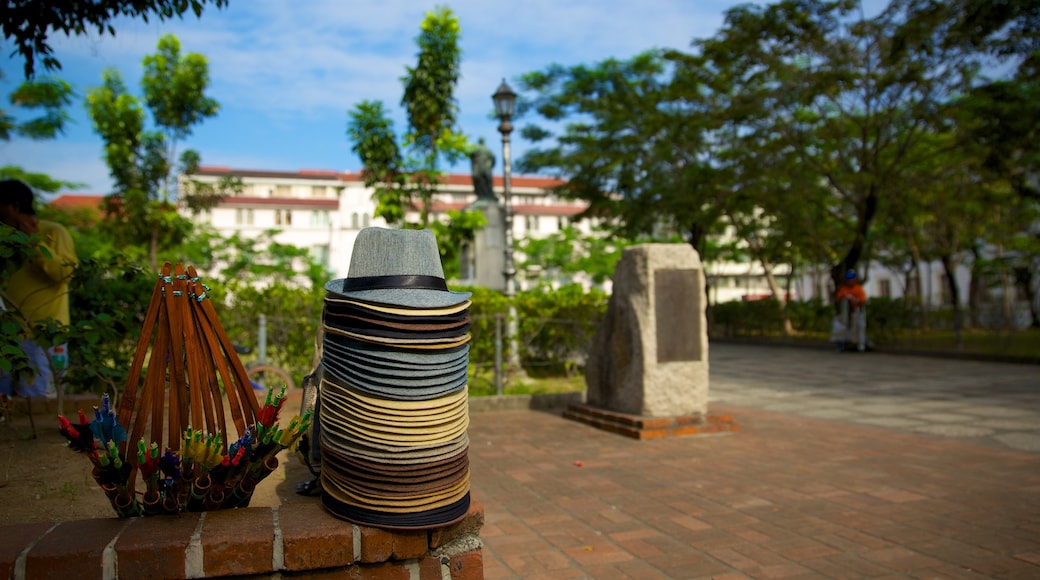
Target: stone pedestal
489,246
649,358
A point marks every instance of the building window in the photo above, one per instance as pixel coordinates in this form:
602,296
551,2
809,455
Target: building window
319,191
282,217
885,288
282,191
243,217
364,220
531,222
355,220
319,218
561,223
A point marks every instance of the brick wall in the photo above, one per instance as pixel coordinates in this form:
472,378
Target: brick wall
301,540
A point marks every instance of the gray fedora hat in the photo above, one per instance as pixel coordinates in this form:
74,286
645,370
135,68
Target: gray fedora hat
402,378
398,268
381,368
394,355
334,381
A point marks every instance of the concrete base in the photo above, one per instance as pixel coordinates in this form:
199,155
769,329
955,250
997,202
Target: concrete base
640,427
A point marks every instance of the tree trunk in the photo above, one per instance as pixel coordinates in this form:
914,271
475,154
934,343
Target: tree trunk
975,289
949,268
922,304
1024,280
865,218
774,289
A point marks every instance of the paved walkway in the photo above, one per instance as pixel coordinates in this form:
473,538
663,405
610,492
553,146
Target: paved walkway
847,466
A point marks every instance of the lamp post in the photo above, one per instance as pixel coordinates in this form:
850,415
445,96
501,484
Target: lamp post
505,102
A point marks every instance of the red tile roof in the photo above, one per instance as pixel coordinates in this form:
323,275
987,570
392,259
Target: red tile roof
69,200
457,179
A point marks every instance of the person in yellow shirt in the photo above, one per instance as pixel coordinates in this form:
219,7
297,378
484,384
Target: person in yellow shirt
39,289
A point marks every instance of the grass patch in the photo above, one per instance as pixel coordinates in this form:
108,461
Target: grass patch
482,384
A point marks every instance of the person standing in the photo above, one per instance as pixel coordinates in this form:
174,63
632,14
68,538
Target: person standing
39,288
851,300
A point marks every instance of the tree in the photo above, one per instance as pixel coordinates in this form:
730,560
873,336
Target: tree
141,161
402,182
30,22
631,146
429,99
383,167
822,99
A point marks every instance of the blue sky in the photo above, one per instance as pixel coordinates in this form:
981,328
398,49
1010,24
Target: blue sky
287,73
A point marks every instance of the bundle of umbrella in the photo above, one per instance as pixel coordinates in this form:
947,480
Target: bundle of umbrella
393,400
194,469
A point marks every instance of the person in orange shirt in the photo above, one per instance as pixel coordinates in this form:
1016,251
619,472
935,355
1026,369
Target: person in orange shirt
39,289
851,301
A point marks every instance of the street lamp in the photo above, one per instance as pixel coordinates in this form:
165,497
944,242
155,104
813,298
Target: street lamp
505,102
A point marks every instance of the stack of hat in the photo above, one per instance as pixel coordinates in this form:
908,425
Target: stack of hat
393,399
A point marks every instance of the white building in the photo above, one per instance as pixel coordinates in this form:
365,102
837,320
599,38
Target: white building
323,211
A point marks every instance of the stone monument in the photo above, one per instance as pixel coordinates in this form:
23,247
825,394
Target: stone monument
486,260
647,372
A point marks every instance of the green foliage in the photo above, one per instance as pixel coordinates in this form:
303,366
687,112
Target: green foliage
29,22
140,161
429,89
569,253
630,146
556,327
746,318
452,235
49,97
109,297
254,276
37,181
372,133
400,183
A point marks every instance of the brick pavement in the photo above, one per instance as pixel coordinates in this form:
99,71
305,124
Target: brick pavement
786,497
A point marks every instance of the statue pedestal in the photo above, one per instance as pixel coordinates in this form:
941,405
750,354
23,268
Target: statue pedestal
489,246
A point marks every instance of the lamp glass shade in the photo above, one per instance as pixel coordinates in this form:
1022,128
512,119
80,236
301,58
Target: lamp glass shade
505,101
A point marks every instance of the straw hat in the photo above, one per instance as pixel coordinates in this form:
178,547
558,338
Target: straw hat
372,323
334,299
450,341
382,314
354,447
396,268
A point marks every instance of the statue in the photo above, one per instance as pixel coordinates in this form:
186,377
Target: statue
482,160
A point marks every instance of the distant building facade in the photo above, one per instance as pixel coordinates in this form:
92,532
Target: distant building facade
323,211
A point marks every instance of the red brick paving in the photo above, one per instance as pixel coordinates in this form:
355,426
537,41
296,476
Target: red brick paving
786,497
